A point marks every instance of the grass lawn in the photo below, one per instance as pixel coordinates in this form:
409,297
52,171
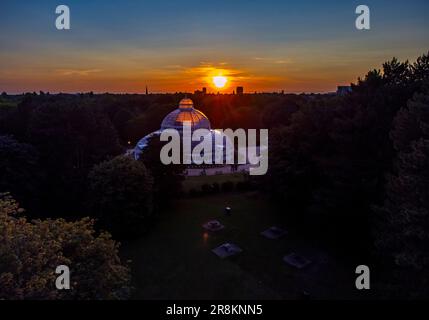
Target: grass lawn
174,260
196,182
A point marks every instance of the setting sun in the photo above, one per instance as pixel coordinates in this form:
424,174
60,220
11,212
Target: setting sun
220,81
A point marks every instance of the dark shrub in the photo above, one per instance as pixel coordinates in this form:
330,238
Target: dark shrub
206,188
216,187
194,192
243,186
227,186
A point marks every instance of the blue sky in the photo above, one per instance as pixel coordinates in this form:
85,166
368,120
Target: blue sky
121,46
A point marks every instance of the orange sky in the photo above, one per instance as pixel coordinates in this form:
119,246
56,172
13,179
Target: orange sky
270,45
129,71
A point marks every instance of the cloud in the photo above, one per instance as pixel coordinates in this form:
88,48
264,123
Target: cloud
174,67
77,72
272,60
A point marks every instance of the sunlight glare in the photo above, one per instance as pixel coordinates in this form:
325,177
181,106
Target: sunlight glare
220,81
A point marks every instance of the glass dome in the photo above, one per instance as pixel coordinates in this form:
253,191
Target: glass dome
186,104
185,113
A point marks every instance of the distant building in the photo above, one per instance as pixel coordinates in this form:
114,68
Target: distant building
343,90
147,91
240,90
203,91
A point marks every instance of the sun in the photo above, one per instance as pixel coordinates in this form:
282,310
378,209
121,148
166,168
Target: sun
220,81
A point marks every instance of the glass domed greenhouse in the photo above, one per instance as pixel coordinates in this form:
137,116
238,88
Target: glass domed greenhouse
187,113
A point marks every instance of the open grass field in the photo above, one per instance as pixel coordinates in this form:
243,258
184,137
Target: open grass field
196,182
174,260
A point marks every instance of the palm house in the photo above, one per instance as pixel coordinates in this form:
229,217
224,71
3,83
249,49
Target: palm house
187,113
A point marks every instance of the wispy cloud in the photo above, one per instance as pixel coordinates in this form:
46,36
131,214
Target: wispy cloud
173,67
77,72
282,61
272,60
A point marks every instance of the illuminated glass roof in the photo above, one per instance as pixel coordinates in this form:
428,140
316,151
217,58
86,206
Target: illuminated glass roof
185,113
198,120
186,104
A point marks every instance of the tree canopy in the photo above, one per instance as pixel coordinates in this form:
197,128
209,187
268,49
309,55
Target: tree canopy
31,251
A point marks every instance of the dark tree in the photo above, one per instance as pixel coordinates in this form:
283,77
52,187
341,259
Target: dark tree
20,172
31,251
120,196
331,159
167,178
71,137
294,171
402,233
420,69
